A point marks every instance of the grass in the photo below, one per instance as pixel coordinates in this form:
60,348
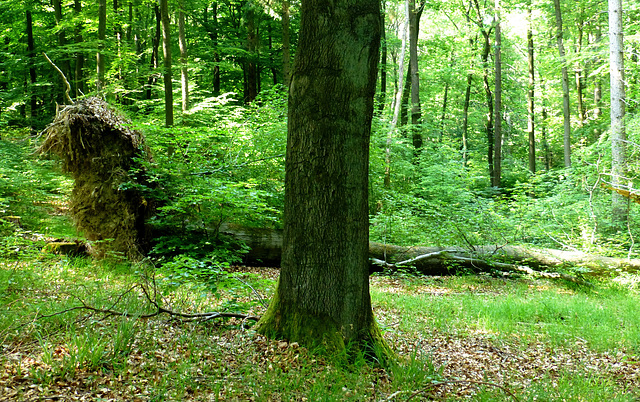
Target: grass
605,317
453,334
458,338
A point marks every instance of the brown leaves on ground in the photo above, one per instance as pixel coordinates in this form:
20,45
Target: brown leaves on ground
169,360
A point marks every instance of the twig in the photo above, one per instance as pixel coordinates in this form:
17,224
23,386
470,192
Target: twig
64,79
255,292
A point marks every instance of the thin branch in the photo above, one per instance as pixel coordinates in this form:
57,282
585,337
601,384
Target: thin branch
255,292
64,79
412,260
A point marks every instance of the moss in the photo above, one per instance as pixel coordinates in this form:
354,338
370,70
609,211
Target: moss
322,334
65,248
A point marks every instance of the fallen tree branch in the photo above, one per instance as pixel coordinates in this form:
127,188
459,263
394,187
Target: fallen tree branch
158,310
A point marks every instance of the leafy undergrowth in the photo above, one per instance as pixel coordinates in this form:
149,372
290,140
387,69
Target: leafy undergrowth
454,336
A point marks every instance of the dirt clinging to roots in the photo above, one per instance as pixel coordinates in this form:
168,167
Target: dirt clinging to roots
100,149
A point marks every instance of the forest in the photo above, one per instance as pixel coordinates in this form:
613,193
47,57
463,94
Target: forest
359,200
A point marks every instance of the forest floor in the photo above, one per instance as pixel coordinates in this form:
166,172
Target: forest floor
474,338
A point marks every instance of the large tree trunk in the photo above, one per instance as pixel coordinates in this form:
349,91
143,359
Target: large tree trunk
620,211
323,291
566,109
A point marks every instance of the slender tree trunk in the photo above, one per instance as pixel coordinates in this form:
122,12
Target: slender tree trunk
382,97
272,66
184,68
251,72
497,159
416,114
79,67
467,99
465,118
65,65
213,34
566,108
620,212
397,102
530,96
545,143
166,73
155,52
118,35
406,94
597,87
579,72
102,34
443,115
31,53
286,44
489,95
322,296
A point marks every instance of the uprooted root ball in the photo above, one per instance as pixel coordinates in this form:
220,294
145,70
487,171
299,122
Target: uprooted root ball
98,147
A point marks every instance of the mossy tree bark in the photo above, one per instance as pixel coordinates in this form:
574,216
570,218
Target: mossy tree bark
323,291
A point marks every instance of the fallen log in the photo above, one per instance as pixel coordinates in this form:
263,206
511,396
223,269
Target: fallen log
265,246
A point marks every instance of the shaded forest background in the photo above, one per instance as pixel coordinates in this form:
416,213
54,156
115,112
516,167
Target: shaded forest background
461,153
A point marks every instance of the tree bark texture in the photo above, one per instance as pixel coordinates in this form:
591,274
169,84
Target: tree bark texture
166,73
566,108
323,291
620,212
